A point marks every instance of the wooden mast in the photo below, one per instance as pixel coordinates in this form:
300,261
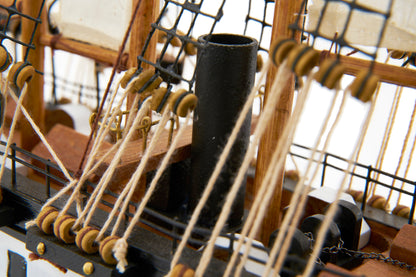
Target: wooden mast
148,12
285,14
33,101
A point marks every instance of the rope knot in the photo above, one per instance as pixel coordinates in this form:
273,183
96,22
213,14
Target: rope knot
120,253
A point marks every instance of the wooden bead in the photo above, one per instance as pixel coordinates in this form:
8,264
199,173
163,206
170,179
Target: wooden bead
20,73
292,174
46,218
364,86
190,49
5,59
280,48
127,77
182,102
378,202
357,195
397,54
63,228
162,38
329,73
260,63
140,84
85,239
401,210
302,59
181,270
106,249
157,98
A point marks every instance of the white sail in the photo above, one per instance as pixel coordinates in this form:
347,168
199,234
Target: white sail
364,28
98,22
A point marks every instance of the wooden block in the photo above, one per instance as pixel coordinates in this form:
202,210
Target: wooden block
374,268
69,146
134,152
404,245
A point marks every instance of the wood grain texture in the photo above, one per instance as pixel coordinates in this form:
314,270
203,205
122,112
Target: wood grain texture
68,145
97,53
33,101
148,11
404,245
285,14
387,73
133,154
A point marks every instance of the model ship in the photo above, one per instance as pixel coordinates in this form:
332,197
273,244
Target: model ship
163,184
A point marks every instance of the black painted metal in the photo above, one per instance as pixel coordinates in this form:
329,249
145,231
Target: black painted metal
17,265
224,77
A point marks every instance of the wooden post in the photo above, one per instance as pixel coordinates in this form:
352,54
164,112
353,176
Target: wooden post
148,12
285,14
34,98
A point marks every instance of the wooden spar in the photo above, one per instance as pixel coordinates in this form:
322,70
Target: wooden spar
387,73
97,53
34,98
285,14
148,12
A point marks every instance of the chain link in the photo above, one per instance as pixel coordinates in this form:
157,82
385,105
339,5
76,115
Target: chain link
368,256
359,254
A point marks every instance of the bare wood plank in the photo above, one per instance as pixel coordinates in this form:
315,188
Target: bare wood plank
133,155
69,146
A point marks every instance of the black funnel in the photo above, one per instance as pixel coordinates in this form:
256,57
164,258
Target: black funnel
224,78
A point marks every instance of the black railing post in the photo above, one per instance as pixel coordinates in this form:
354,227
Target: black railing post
367,183
174,235
412,210
13,147
48,179
324,164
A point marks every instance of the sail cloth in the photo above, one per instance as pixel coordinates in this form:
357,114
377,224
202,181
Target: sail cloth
98,22
364,27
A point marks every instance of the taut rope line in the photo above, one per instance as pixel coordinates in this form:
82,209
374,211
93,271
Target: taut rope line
120,247
264,119
218,167
297,212
100,189
131,185
334,206
402,154
269,182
